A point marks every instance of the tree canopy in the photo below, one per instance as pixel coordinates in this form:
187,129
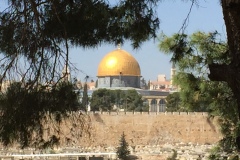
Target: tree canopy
35,36
192,56
102,99
197,92
24,113
109,100
227,67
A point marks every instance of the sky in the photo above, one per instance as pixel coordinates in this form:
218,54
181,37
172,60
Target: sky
207,16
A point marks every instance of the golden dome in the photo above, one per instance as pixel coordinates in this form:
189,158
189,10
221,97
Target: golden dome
119,62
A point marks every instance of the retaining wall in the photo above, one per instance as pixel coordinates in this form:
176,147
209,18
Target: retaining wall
148,134
104,129
151,128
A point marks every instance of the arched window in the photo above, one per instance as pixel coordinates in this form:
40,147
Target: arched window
162,105
153,105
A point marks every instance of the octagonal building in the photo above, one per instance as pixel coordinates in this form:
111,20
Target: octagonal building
118,69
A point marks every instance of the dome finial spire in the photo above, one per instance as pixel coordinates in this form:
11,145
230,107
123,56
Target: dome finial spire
119,46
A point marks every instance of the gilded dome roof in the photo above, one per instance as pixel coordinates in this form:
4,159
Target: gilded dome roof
118,62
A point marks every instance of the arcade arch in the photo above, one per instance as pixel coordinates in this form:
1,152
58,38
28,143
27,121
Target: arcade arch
156,104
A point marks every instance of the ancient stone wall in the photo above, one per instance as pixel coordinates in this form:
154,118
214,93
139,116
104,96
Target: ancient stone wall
150,135
152,129
147,129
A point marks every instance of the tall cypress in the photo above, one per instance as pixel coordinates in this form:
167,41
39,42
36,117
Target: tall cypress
123,151
85,97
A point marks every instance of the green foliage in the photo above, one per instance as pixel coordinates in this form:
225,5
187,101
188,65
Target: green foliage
223,105
174,103
40,33
123,151
133,101
143,83
192,55
148,85
104,100
196,93
217,153
35,37
85,97
23,112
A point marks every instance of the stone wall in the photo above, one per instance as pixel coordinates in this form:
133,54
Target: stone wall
105,128
145,128
153,129
148,134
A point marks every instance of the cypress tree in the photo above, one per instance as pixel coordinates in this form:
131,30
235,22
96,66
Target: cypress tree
85,97
123,150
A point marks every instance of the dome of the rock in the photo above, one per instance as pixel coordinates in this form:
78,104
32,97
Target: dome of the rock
118,69
118,62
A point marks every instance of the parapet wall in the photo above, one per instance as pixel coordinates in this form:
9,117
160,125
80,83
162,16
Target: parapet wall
143,128
148,113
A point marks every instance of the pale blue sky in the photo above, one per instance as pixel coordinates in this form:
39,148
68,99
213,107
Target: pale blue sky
206,17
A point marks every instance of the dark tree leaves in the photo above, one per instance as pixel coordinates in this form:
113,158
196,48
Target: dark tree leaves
24,113
193,55
129,100
40,33
35,37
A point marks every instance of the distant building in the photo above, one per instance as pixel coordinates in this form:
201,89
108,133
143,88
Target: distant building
162,84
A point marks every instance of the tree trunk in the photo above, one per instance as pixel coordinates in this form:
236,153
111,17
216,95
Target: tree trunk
230,73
